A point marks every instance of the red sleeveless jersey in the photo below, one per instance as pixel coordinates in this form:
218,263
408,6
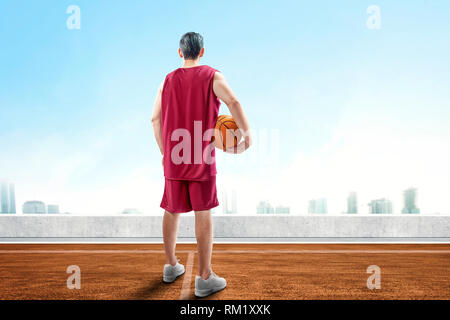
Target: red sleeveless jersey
189,110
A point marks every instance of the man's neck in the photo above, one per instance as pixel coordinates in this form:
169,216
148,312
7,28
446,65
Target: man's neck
190,63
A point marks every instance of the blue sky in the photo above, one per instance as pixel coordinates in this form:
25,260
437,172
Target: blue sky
75,104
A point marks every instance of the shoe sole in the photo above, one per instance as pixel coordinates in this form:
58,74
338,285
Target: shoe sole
172,279
206,292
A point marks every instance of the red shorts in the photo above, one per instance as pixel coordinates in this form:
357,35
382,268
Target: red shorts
187,195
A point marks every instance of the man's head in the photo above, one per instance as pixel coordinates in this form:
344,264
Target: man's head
191,46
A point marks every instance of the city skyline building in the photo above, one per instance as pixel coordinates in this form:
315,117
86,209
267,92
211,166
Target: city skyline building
34,206
7,197
130,211
226,202
264,207
318,206
352,203
4,198
53,208
12,198
282,209
410,201
380,206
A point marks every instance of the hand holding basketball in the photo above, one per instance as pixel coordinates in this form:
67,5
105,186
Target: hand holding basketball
227,135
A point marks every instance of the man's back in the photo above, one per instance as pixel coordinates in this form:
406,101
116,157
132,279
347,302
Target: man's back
184,116
189,107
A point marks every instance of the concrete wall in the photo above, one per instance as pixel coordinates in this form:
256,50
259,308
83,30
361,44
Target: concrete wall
254,228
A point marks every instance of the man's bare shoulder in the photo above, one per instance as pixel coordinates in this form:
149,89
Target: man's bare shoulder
218,76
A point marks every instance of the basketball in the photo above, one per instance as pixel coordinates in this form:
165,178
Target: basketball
226,134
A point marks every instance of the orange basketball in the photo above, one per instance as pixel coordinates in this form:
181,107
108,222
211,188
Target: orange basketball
227,133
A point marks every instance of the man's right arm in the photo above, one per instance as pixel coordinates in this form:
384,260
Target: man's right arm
156,119
224,93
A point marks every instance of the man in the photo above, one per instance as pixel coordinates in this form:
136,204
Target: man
185,111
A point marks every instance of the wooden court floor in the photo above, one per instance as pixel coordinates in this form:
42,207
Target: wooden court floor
253,271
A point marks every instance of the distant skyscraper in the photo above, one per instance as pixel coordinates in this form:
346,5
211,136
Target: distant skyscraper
318,206
12,198
410,199
380,206
4,198
33,207
52,208
352,203
264,207
227,206
7,198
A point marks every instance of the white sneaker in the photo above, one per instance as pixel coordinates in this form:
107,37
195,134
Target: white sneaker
206,287
171,273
